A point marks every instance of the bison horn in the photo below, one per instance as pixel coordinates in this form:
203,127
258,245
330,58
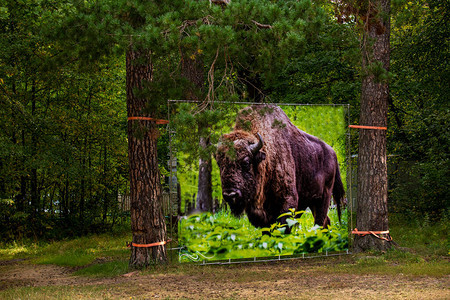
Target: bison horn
257,146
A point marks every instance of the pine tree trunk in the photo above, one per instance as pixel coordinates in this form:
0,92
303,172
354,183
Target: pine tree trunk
372,213
204,195
147,220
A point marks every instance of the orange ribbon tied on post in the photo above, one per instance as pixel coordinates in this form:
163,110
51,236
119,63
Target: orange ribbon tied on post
374,233
157,121
148,245
367,127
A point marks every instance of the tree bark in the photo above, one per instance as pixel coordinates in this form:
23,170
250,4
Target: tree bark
204,194
147,220
372,213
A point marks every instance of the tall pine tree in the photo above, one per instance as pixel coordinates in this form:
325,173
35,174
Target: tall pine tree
372,207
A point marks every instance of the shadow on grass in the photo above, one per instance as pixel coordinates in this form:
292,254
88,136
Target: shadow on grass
107,269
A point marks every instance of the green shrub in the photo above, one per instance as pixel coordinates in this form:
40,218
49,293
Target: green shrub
220,236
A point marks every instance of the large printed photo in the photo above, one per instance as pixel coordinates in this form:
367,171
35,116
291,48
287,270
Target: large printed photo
259,181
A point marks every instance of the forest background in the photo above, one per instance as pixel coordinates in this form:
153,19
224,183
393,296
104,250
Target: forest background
63,137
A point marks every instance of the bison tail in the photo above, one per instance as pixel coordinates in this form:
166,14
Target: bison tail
338,192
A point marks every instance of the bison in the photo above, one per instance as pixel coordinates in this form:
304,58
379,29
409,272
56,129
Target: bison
267,165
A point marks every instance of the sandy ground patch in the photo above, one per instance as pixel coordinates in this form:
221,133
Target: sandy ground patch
288,280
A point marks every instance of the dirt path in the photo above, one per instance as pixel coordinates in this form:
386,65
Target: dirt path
21,273
290,280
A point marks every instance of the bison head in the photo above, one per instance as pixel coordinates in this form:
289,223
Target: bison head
238,156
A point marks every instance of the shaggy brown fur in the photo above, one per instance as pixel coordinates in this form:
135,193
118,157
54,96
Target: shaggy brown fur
292,170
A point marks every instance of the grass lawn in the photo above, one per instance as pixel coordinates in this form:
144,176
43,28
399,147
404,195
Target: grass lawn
96,267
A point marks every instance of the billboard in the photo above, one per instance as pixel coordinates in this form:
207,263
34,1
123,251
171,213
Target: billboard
259,181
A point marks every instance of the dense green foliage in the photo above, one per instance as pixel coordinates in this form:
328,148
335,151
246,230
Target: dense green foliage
63,158
220,236
419,109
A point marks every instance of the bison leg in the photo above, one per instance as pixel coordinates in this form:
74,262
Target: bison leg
320,210
258,217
